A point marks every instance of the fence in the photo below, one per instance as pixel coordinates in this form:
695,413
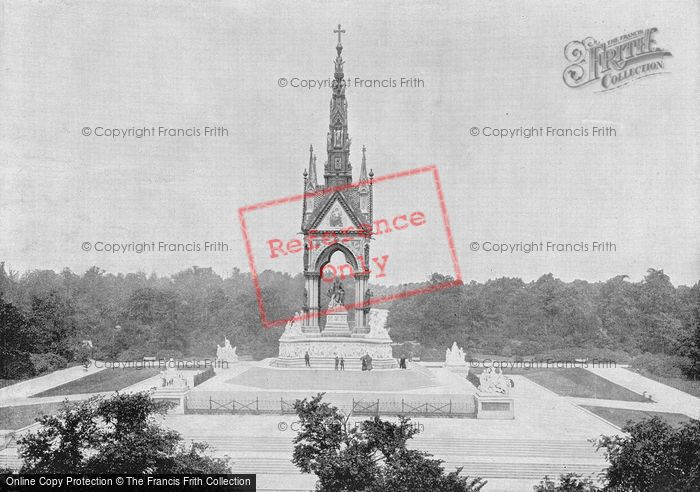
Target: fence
415,408
252,404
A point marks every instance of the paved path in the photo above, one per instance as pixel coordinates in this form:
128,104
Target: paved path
18,402
667,399
20,394
30,387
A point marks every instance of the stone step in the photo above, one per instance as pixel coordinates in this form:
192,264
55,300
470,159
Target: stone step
504,464
497,469
444,447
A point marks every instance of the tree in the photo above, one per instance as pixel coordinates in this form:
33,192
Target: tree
654,455
691,345
16,343
118,434
571,482
370,457
50,317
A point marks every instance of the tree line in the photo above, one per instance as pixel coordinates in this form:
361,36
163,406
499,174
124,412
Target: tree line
650,320
45,317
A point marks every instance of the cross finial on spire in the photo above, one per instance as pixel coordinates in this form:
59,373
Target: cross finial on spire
339,31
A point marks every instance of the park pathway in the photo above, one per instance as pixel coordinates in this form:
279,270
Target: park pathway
33,386
667,399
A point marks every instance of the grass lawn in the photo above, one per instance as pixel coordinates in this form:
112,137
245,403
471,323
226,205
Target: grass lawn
105,380
620,416
580,383
20,416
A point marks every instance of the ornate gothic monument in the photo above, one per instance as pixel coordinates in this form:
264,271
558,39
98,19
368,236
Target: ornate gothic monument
333,218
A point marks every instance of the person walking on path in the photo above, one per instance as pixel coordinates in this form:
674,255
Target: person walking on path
307,359
337,361
342,363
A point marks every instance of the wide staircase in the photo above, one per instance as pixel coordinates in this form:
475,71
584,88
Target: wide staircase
487,458
518,459
170,393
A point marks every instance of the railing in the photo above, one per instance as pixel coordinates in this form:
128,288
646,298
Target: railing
462,408
286,407
435,409
252,406
365,408
413,408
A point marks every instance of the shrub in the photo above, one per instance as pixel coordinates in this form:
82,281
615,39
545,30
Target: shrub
44,363
670,366
134,353
16,366
653,455
571,482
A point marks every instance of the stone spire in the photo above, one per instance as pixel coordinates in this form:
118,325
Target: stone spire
312,181
338,170
363,168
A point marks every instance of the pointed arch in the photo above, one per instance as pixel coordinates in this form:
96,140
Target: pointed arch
325,256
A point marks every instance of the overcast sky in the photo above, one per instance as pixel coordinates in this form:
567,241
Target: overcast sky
69,65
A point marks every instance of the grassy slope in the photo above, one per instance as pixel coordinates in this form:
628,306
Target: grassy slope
106,380
580,383
620,416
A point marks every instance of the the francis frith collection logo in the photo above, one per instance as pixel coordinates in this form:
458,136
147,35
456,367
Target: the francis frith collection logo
614,63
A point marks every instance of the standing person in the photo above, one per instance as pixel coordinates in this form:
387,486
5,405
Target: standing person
307,359
342,363
337,361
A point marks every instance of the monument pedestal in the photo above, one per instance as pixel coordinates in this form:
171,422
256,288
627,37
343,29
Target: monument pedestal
323,350
337,323
494,407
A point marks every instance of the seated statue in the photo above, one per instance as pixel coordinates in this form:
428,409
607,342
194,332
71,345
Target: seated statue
336,295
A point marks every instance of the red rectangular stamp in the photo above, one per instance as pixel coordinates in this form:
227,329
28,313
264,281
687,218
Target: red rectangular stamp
391,230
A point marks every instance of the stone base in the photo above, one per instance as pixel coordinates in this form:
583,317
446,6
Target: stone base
323,349
494,407
311,330
336,331
337,325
